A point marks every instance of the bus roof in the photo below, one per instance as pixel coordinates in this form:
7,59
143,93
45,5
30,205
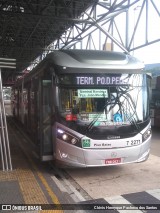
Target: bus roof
70,61
86,61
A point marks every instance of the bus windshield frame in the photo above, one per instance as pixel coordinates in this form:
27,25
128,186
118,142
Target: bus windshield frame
123,101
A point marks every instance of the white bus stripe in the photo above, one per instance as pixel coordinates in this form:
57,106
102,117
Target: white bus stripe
119,200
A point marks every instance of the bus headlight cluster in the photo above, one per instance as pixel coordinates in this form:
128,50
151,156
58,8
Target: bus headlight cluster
146,135
68,137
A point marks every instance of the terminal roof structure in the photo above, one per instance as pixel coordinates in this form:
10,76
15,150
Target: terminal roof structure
28,27
29,30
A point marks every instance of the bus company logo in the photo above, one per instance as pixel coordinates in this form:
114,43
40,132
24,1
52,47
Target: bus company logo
114,154
86,142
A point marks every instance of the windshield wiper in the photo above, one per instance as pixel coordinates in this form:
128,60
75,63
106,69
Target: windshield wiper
134,123
90,125
112,104
131,119
108,102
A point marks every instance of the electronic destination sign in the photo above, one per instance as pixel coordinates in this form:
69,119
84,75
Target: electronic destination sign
98,80
107,79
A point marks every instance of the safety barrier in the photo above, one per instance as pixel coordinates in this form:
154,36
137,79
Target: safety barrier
4,140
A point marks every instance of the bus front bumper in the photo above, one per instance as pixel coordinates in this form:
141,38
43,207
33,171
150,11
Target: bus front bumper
71,156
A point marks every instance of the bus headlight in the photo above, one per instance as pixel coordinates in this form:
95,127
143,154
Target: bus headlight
146,135
68,137
64,136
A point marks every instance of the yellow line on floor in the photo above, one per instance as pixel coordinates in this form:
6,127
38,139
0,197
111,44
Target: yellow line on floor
44,182
49,190
32,193
31,190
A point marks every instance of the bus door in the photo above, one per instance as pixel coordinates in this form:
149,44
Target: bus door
33,111
45,121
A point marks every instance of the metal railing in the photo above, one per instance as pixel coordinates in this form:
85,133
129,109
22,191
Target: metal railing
4,140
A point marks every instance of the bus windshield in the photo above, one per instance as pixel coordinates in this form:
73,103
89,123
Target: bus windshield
107,105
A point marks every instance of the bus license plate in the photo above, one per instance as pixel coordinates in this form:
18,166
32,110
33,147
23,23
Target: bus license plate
113,161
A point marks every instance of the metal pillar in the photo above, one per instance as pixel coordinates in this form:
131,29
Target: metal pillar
4,140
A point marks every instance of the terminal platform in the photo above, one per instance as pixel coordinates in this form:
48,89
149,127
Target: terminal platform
30,181
31,185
